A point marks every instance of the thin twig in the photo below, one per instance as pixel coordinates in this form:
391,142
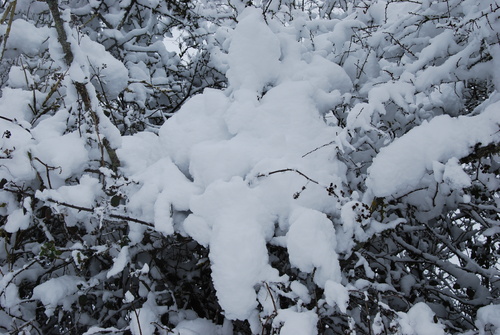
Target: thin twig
287,170
324,145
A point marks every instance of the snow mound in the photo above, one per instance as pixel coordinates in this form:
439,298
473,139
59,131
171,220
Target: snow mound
58,291
311,245
254,53
26,38
488,315
225,143
419,320
399,167
294,322
231,219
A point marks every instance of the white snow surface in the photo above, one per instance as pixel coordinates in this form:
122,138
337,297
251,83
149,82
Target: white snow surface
142,320
82,194
57,291
14,103
19,219
295,322
241,165
218,149
419,320
254,53
119,262
400,166
235,220
488,315
25,38
311,245
113,75
336,294
242,168
196,327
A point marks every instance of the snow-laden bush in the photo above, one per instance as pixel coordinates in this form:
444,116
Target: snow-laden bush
318,167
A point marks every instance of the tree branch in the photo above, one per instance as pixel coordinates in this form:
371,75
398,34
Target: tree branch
80,87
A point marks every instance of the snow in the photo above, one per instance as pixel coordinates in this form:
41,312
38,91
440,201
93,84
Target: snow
20,78
452,66
78,257
221,142
235,158
143,319
488,315
196,327
378,327
311,245
119,262
360,117
336,294
19,219
82,194
14,103
249,166
91,62
295,322
438,47
163,188
129,297
419,320
63,156
254,53
366,266
301,291
407,283
454,175
199,120
138,152
99,330
10,299
401,92
495,52
400,166
388,11
233,212
21,212
320,73
58,291
113,75
236,221
25,38
354,216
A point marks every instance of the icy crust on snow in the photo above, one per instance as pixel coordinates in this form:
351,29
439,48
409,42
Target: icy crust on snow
400,166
